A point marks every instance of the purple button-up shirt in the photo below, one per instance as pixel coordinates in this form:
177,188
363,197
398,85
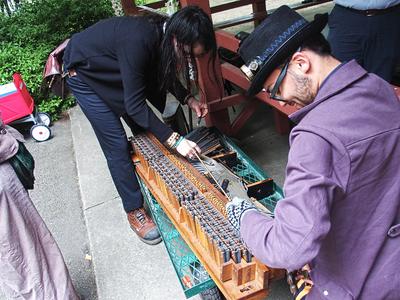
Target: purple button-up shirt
341,211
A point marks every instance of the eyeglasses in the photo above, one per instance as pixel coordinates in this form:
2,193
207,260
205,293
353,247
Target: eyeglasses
273,93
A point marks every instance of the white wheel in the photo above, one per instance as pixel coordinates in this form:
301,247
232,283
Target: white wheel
44,118
40,133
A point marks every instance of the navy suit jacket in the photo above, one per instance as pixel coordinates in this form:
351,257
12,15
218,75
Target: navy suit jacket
118,58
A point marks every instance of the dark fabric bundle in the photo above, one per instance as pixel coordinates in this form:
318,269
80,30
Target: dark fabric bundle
23,165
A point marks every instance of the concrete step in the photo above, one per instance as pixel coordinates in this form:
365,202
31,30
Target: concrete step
125,267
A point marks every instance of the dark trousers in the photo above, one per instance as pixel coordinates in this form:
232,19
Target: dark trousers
374,41
113,141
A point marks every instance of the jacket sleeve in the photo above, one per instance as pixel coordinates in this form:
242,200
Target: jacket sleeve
293,238
134,56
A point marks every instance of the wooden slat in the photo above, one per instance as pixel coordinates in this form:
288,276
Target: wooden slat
234,4
227,40
240,20
244,116
228,101
312,3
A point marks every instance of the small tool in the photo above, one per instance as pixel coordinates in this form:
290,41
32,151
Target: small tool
212,176
225,184
199,120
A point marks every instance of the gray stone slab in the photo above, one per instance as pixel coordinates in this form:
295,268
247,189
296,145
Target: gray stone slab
57,198
125,267
92,168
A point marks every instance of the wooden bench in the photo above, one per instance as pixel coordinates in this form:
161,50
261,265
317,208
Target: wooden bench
233,74
218,107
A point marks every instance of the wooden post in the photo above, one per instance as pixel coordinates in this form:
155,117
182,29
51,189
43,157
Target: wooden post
258,7
210,89
129,7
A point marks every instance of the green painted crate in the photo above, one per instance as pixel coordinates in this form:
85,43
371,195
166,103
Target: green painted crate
192,275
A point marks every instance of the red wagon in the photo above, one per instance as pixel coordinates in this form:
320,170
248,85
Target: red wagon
17,106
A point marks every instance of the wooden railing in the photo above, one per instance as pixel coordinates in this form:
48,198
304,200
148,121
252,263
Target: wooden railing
218,108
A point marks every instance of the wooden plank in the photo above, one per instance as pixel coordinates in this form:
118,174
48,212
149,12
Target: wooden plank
234,4
227,40
129,7
244,116
227,101
260,189
240,20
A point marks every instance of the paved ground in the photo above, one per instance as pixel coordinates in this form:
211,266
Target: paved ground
76,198
58,199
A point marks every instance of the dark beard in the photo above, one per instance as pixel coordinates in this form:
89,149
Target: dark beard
303,89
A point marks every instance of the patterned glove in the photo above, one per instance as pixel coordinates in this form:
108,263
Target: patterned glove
235,210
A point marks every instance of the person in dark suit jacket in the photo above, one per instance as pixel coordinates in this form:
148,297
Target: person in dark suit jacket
118,63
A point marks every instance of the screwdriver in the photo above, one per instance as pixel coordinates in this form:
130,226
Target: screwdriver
199,120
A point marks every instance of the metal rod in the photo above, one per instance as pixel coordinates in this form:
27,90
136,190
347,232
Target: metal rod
204,165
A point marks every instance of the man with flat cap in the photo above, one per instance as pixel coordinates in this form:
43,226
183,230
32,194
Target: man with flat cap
341,211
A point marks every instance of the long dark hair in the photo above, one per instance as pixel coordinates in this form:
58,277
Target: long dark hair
188,26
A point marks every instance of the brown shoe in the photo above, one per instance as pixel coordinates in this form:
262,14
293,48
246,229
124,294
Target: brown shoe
143,226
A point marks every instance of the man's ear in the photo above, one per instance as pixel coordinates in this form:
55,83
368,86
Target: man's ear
301,62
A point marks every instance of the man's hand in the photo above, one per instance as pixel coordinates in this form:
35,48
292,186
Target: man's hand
200,109
235,210
188,148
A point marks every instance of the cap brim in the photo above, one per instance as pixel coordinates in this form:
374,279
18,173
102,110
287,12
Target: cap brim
281,54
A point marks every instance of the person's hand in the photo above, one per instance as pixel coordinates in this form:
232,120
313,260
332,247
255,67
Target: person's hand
187,148
235,210
200,109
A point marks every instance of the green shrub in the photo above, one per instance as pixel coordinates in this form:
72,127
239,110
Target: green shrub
28,61
31,33
54,105
51,21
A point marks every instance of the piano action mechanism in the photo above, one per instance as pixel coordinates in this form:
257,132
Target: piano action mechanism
197,210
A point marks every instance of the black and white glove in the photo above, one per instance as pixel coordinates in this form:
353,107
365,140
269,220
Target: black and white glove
235,210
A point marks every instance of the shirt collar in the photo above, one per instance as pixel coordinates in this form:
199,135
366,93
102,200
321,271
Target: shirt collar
340,78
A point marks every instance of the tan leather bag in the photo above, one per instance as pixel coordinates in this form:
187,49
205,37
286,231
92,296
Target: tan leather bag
53,74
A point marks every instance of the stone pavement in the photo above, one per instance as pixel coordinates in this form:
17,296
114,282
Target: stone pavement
75,196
